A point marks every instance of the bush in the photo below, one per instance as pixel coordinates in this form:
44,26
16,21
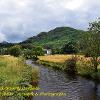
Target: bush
15,51
29,54
85,68
87,54
33,53
70,66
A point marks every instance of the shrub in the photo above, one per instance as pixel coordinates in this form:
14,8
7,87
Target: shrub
29,54
15,51
70,65
85,68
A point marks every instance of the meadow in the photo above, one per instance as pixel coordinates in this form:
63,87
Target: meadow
58,58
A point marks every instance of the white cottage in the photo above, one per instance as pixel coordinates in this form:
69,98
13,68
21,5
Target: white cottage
48,51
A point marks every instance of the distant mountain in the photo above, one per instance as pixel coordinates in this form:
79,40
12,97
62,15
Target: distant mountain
56,37
6,44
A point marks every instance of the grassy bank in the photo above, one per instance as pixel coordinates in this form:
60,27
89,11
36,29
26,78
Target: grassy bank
83,65
14,72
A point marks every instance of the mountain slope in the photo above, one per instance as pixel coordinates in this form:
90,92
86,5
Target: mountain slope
56,37
5,44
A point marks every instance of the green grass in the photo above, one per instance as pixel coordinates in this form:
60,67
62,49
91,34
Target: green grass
14,72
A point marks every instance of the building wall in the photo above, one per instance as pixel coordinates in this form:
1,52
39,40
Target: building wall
48,51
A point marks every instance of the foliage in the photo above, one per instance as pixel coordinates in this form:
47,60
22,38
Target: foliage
69,48
38,51
91,43
14,72
6,44
29,54
4,51
15,51
70,65
56,50
55,38
33,53
85,67
27,46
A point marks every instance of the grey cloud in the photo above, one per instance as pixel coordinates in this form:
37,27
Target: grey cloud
20,19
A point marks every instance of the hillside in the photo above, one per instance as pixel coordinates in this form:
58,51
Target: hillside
5,44
56,37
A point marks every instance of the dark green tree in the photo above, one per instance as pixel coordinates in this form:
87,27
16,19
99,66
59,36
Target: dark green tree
27,46
38,51
69,48
15,51
91,43
33,53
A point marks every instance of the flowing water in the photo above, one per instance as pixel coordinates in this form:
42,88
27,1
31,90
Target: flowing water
76,88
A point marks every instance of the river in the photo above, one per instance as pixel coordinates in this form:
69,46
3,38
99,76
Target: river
76,88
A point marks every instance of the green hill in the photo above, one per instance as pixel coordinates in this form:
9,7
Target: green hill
56,37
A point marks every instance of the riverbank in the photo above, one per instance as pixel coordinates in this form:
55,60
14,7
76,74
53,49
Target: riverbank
55,81
83,65
15,73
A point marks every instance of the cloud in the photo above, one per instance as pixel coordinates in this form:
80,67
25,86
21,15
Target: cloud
2,37
20,19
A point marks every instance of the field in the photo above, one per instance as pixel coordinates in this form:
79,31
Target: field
60,58
55,58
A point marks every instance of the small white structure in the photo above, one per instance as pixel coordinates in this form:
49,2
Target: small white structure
48,51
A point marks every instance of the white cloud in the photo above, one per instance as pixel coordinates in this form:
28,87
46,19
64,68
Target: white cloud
2,37
20,19
73,4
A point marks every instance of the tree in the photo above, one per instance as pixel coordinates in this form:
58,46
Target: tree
27,46
3,51
29,54
69,48
15,51
91,43
38,51
33,53
56,50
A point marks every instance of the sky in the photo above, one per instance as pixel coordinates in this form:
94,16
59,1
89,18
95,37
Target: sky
21,19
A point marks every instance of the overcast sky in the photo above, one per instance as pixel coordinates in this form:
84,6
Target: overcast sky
20,19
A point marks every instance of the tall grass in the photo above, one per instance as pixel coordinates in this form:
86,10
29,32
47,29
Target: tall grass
57,58
14,72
